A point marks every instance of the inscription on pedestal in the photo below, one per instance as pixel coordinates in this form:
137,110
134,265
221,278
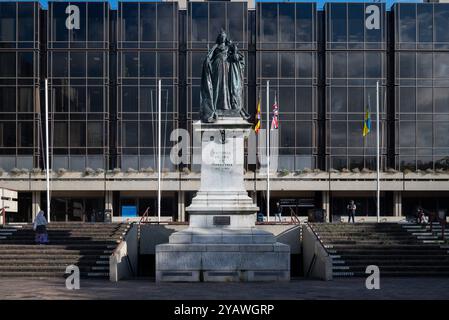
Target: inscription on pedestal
222,220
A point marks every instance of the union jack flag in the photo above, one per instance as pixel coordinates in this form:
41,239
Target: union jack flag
275,121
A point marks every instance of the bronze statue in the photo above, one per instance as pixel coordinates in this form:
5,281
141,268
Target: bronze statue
222,81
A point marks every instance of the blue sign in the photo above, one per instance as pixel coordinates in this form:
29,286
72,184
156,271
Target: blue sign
129,211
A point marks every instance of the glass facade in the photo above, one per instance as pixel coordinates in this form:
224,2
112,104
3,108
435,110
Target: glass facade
287,57
78,76
19,84
421,86
103,66
355,61
147,45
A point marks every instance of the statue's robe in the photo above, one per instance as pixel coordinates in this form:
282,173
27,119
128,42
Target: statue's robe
221,83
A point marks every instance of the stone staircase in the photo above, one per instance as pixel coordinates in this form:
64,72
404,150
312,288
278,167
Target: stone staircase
87,245
423,233
390,246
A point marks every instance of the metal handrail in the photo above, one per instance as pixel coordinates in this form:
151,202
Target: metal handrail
145,216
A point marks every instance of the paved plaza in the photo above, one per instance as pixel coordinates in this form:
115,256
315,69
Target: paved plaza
391,288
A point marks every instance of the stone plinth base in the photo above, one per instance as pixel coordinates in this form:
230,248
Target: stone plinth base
222,262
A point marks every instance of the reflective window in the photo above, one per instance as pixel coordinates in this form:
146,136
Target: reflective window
77,99
60,139
95,99
95,22
77,134
148,25
148,64
25,22
25,99
94,64
441,16
7,134
25,63
95,134
8,21
407,23
7,64
130,99
77,64
425,23
7,99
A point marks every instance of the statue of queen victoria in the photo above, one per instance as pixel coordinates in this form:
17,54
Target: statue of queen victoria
222,82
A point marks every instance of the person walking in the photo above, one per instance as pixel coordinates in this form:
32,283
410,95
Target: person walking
278,213
351,211
40,227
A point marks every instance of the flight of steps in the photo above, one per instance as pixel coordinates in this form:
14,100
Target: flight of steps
422,232
389,246
87,245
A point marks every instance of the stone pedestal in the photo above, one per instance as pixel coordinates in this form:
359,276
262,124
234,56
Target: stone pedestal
222,242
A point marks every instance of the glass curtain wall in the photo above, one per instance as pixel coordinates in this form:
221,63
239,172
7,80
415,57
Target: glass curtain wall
147,51
422,86
355,60
287,56
78,44
19,84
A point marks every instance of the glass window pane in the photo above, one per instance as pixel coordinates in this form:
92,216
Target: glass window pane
407,134
25,134
7,99
8,134
199,15
424,103
425,23
287,65
373,64
217,19
148,97
25,64
286,22
355,139
148,64
304,20
356,22
148,21
165,23
338,134
356,68
77,99
286,99
441,65
269,64
61,138
77,64
25,21
130,97
355,101
338,100
407,23
7,64
236,20
25,96
424,136
165,64
338,22
441,17
441,135
95,99
94,64
129,21
130,134
304,134
59,30
304,64
304,99
61,99
130,62
407,100
60,64
441,96
424,65
407,65
269,22
338,65
96,21
148,134
95,134
8,21
287,134
77,134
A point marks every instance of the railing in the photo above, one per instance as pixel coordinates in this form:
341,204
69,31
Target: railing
294,218
146,216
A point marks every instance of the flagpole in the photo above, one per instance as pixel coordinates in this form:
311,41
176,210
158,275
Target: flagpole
268,150
47,152
159,122
378,151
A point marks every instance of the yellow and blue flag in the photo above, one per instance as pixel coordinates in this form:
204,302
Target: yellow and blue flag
367,123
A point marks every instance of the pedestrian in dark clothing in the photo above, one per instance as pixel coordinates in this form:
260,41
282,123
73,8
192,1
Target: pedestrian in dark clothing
351,211
40,226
